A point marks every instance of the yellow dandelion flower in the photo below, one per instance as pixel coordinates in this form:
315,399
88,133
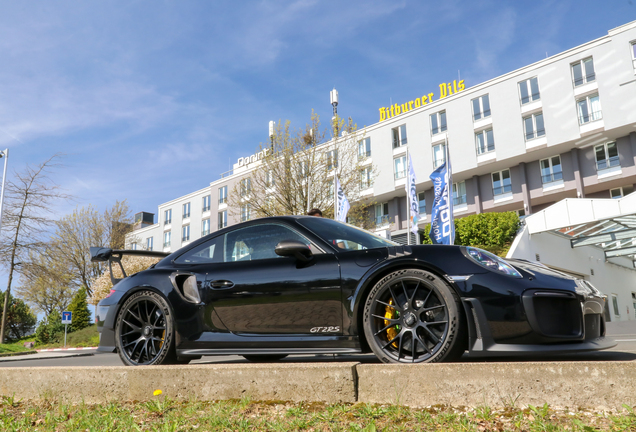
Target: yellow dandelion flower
157,392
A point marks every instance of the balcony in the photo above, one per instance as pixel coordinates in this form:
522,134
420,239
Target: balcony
500,190
552,177
604,164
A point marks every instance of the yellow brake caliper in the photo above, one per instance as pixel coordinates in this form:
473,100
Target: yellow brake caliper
391,313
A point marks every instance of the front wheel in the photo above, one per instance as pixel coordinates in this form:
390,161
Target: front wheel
413,316
144,332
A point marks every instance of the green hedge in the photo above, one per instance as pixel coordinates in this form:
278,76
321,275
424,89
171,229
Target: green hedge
491,231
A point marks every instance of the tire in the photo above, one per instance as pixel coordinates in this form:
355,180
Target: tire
413,316
144,331
264,358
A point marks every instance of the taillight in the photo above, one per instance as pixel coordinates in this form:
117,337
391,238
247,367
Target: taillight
111,293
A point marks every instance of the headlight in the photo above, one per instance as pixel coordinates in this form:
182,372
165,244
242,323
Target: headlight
492,262
586,288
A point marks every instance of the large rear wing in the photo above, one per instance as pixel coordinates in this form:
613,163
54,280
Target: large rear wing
102,254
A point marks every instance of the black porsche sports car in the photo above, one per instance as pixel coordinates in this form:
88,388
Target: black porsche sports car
276,286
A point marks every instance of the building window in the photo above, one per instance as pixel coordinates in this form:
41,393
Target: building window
616,193
246,187
422,202
167,217
481,107
399,165
223,195
186,210
149,242
222,219
606,156
459,193
615,304
633,49
583,72
245,212
439,155
382,214
185,233
269,178
529,90
133,246
533,126
485,141
206,203
166,239
398,135
205,227
501,182
366,178
438,122
551,169
331,159
589,109
364,148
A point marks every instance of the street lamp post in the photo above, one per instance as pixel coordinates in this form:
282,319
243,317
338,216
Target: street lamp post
3,154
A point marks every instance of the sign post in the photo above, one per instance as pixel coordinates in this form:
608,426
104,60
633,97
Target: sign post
67,318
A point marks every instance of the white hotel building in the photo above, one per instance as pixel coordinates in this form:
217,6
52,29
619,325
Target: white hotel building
563,127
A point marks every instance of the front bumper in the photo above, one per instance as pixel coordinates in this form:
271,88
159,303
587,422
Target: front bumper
556,325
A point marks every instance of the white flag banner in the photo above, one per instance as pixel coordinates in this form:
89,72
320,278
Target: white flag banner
414,204
342,204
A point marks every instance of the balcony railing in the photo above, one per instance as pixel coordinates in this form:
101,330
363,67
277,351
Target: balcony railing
366,184
552,177
459,200
364,154
166,244
400,174
167,222
382,220
487,148
534,134
222,200
439,129
596,115
204,233
186,215
584,79
530,98
608,163
184,239
502,189
206,208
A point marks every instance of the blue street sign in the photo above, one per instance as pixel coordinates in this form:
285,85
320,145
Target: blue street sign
67,317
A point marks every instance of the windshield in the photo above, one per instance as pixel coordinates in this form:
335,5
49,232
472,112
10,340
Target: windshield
344,236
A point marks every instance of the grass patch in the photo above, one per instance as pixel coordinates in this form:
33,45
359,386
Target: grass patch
163,414
13,348
88,337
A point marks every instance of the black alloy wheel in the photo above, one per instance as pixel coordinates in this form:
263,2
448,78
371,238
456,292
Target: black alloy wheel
412,316
144,331
264,358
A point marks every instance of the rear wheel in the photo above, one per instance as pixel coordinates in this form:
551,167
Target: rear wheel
264,358
144,331
413,316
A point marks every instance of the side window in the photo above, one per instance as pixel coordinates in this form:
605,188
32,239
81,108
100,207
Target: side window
209,252
257,242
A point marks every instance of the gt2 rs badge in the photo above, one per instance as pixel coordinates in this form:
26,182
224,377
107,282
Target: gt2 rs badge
335,329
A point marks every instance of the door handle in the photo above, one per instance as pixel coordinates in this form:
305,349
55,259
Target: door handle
221,284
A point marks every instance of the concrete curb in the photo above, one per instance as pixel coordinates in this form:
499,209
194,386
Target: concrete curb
315,382
13,354
66,349
560,384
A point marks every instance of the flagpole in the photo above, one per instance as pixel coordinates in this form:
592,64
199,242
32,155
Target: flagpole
335,198
408,207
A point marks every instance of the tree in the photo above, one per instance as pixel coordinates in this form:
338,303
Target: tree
80,230
20,319
29,201
297,172
50,329
81,314
45,282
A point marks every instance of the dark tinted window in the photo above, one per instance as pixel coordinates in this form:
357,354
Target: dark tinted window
257,242
342,235
209,252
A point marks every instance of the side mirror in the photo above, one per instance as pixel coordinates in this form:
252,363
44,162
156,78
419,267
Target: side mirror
294,248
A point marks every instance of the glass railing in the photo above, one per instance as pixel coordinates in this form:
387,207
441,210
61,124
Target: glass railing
502,189
552,177
596,115
584,79
534,134
400,174
530,98
382,220
222,200
608,163
459,200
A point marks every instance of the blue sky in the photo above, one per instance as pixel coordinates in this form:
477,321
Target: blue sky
151,100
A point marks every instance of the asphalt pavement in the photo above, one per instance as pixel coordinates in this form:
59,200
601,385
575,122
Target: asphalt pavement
624,333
